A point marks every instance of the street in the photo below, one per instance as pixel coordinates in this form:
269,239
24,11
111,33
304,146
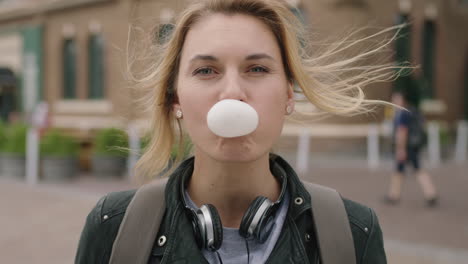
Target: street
42,224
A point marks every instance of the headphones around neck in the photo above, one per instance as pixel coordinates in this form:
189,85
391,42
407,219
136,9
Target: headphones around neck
256,224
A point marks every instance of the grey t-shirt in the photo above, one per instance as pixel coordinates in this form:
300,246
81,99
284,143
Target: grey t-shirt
234,248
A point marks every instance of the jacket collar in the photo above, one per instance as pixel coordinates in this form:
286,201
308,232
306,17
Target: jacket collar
300,198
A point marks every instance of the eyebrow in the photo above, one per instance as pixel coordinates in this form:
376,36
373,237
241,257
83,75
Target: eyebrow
256,56
259,56
204,58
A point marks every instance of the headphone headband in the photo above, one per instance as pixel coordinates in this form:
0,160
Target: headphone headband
259,214
258,220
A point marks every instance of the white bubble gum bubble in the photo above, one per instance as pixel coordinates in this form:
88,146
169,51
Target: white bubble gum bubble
232,118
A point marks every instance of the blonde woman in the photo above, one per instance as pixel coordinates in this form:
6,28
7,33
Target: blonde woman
243,55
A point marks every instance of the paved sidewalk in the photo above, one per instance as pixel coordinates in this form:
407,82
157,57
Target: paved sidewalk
413,233
42,224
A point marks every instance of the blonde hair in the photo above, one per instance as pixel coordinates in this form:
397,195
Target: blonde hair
327,85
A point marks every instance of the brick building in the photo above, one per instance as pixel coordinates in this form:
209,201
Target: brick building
70,53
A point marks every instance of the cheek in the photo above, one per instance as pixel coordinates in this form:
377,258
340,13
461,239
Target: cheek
195,106
274,101
272,109
190,100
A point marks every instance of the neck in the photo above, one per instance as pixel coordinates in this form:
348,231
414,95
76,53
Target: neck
231,187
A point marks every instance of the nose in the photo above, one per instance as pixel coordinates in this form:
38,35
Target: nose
232,87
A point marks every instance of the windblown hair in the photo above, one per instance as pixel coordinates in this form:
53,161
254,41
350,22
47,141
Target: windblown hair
333,87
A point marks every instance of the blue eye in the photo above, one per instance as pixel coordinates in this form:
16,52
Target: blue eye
203,71
258,69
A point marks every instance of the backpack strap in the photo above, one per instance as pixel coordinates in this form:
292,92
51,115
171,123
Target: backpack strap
140,225
334,237
143,217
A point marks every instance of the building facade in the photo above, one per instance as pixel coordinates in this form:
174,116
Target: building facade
71,53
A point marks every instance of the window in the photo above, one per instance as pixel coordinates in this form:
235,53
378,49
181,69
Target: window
403,51
164,33
297,9
428,55
8,87
403,41
465,103
96,66
69,69
299,13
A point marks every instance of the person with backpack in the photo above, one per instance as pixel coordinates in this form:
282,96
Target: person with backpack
409,137
226,77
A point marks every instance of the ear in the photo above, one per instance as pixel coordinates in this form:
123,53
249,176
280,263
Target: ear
175,107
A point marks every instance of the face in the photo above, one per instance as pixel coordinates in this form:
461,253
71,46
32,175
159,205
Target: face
232,57
397,98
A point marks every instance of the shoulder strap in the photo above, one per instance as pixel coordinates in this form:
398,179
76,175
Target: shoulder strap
332,228
140,225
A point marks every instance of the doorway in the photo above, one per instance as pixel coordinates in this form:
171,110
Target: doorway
465,100
8,86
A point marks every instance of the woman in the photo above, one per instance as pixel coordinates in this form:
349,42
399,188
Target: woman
247,51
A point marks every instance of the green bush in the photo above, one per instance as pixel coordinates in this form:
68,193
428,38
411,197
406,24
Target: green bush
111,142
144,142
445,137
186,149
57,144
15,139
2,135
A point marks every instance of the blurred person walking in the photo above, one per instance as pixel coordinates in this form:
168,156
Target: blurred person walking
409,138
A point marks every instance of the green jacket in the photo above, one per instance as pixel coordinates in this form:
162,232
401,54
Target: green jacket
296,243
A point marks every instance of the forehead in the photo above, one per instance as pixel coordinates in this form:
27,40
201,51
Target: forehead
222,34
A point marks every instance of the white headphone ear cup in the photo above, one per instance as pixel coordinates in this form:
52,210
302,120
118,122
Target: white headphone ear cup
254,218
199,228
213,235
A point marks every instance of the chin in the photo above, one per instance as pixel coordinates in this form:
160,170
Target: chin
236,157
239,149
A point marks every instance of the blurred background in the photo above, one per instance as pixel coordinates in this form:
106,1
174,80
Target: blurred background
67,115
